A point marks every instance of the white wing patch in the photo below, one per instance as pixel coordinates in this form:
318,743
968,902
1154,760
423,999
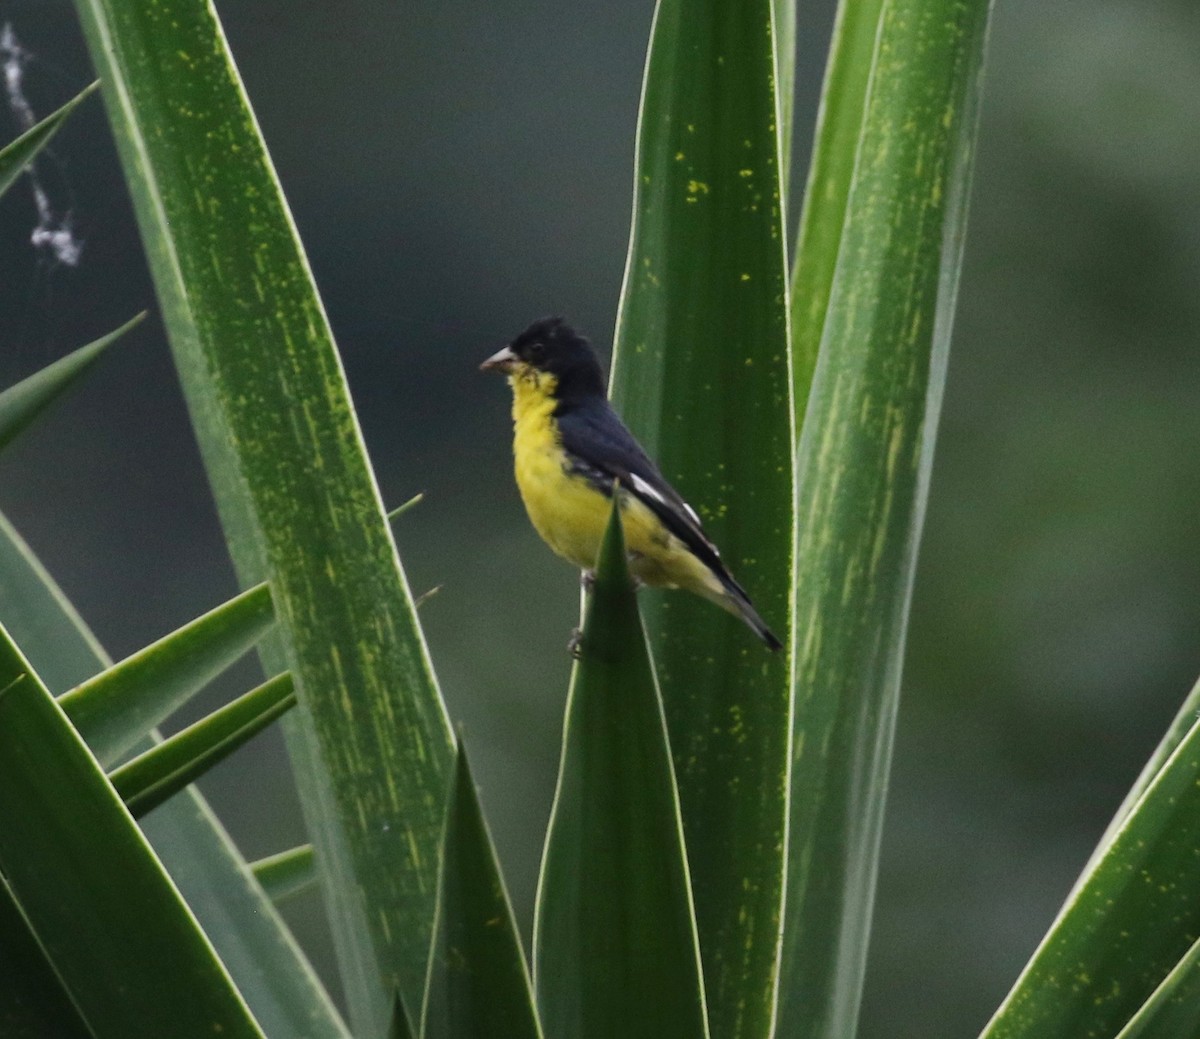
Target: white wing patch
692,512
644,489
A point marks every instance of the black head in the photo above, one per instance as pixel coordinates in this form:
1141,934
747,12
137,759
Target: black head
552,346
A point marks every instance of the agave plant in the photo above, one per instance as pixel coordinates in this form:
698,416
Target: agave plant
710,860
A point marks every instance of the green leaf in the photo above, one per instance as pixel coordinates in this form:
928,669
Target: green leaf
22,403
1189,711
400,1027
478,981
1126,926
287,873
400,510
116,708
1173,1009
862,483
839,124
615,950
371,748
14,157
702,333
783,25
102,907
252,941
153,776
33,1003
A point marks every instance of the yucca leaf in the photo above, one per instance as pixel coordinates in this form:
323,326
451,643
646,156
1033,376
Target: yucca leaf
1180,726
478,981
154,775
783,31
116,708
399,1025
107,915
1173,1009
33,1002
18,154
701,376
252,941
862,482
400,510
286,873
372,746
839,124
22,403
615,950
1126,926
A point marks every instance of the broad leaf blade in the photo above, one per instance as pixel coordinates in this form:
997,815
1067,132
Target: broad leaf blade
18,154
615,949
252,941
22,403
701,376
116,930
116,708
1126,926
33,1002
156,774
295,493
839,125
478,980
862,483
1173,1009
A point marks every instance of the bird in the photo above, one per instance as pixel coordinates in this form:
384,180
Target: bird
572,452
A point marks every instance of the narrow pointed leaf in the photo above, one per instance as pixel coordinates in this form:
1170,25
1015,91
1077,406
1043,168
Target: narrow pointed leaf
286,874
102,907
1180,726
702,333
271,972
1126,926
371,747
399,1026
33,1002
153,776
116,708
1173,1009
400,510
18,154
615,950
478,981
22,403
783,26
839,125
862,483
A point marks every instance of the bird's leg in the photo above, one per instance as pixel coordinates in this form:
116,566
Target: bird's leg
575,643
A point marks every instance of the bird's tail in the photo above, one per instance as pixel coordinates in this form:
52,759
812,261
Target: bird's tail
734,599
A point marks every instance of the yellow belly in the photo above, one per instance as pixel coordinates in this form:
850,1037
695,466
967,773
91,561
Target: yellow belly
571,515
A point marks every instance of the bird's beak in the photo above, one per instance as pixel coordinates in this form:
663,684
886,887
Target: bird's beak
501,361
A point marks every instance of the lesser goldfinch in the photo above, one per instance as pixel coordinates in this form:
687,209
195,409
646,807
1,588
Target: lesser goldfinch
570,448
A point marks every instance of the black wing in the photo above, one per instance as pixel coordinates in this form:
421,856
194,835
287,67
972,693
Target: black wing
602,449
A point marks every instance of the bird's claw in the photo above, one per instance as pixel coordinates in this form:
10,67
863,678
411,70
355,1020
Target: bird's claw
587,579
575,643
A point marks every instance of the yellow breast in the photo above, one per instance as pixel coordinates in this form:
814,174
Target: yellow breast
571,515
564,509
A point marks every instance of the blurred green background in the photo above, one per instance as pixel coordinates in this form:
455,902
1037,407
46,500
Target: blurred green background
456,170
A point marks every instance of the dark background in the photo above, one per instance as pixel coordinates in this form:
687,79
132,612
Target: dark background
457,169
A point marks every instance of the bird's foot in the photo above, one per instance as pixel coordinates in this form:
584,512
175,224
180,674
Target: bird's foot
587,579
575,643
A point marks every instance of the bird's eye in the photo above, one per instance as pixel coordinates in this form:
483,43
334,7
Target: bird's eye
535,352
